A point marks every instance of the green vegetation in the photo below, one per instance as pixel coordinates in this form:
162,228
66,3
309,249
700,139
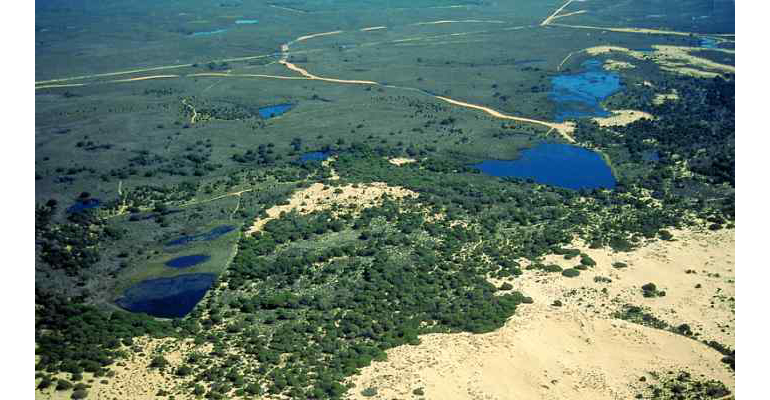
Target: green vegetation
682,385
314,297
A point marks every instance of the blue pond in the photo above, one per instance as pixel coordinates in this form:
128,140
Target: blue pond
274,111
314,156
167,297
579,95
211,235
246,21
187,261
555,164
82,205
208,33
708,43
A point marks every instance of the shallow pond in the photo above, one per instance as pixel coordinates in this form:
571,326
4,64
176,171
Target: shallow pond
579,95
555,164
166,297
82,205
210,235
274,111
708,43
314,156
187,261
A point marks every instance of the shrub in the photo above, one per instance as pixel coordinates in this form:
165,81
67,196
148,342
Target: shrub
158,362
602,279
557,303
650,287
63,385
79,394
618,264
506,286
587,261
369,392
418,392
570,272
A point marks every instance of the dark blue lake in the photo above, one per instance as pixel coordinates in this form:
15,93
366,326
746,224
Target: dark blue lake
210,235
555,164
578,95
274,111
82,205
167,297
187,261
314,156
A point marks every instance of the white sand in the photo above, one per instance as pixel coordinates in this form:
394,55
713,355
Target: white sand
401,161
321,197
578,351
622,117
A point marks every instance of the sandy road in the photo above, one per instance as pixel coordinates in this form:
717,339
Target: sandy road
553,16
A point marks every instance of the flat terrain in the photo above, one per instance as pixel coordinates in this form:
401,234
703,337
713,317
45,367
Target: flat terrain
390,267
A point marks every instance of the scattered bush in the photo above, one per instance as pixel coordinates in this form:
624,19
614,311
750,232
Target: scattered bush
570,272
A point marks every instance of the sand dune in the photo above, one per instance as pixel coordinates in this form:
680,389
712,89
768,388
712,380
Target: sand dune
578,351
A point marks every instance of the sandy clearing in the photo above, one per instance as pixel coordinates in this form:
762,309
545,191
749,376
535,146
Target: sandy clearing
578,351
676,59
622,117
322,197
401,160
133,379
661,98
615,65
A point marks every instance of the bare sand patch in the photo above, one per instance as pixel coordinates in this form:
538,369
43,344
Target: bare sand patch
578,351
322,197
133,378
676,59
661,98
622,117
401,160
615,65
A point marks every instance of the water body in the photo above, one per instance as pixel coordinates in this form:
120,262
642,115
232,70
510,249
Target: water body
274,111
578,95
82,205
314,156
555,164
166,297
246,21
208,33
708,43
210,235
187,261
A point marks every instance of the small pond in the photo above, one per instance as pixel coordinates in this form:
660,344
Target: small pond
555,164
314,156
166,297
579,95
274,111
187,261
210,235
82,205
708,43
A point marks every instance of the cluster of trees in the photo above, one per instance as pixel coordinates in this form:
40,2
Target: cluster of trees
73,337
